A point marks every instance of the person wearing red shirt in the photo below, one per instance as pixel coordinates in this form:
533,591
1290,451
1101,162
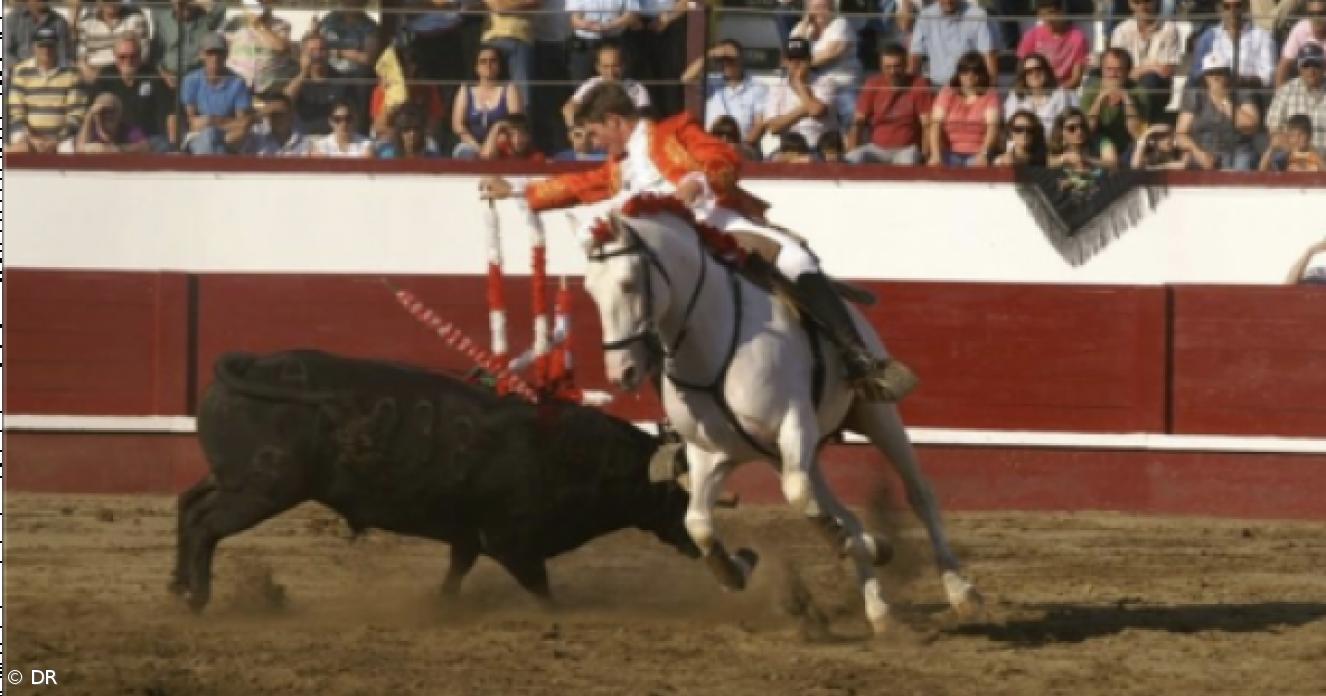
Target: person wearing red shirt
894,109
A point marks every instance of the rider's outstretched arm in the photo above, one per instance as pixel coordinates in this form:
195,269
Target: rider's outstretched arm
566,190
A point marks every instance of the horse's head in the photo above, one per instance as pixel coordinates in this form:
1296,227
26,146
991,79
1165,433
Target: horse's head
629,285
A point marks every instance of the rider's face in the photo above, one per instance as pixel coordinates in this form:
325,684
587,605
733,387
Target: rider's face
610,134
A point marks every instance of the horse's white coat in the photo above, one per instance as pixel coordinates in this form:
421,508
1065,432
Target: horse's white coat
768,386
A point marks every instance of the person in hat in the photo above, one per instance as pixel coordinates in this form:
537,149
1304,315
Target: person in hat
799,102
1256,48
1305,94
1209,128
216,101
46,101
677,157
1309,30
22,21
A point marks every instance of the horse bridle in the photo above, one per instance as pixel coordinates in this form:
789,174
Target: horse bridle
648,331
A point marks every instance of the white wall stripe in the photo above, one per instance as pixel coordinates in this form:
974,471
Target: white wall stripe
921,436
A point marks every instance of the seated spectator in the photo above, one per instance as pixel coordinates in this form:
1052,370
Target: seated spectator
104,130
1113,106
278,134
583,148
792,149
1311,30
478,107
1208,127
1256,66
598,24
830,148
22,20
732,92
894,109
1310,268
409,137
398,75
945,31
832,53
796,104
344,140
727,130
510,139
178,31
1059,41
965,122
260,49
142,97
1293,151
1154,47
1073,147
317,86
101,29
1158,149
217,103
610,69
1026,142
1036,89
1305,94
46,104
352,45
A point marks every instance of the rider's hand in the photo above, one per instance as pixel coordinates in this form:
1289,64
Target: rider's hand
689,192
494,188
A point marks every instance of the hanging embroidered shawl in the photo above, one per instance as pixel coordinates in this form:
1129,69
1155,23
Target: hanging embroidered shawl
1081,212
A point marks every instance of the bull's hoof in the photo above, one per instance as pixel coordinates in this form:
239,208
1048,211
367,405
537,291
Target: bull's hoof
198,601
177,587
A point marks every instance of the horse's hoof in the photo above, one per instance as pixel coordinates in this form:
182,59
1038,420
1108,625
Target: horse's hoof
881,551
971,605
747,559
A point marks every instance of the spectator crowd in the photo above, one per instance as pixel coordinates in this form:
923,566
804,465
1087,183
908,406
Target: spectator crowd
943,83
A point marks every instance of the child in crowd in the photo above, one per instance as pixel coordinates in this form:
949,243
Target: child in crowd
1293,152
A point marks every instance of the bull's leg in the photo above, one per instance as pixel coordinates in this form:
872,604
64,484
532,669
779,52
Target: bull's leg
529,570
187,507
464,552
803,484
881,424
227,512
708,471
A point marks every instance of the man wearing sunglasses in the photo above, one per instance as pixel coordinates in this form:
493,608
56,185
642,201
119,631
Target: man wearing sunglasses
1256,47
139,91
1309,30
1305,94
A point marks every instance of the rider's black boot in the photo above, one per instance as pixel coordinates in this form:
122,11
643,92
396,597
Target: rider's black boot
873,378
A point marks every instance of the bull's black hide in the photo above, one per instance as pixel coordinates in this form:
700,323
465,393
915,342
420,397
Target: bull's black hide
394,447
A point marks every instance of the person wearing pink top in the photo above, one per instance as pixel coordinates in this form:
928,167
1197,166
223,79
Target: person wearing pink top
965,121
1058,40
1309,30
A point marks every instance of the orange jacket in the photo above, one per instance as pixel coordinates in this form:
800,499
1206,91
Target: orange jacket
678,146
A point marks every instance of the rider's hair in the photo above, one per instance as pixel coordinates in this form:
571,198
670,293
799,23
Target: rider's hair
603,100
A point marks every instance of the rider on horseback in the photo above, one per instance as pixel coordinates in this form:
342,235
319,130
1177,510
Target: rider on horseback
676,156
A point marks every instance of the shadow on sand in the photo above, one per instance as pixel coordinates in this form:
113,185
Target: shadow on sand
1074,623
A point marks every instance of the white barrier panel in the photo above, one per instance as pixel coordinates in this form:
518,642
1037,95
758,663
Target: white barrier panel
409,223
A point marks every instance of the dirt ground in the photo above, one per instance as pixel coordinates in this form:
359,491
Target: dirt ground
1078,604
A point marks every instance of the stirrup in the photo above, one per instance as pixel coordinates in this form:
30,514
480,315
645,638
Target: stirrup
883,381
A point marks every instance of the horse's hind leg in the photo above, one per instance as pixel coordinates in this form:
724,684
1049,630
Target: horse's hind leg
881,424
708,472
806,491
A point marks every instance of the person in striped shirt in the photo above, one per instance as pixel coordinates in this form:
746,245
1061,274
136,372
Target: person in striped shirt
100,29
46,104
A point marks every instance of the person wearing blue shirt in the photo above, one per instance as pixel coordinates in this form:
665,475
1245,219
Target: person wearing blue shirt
217,102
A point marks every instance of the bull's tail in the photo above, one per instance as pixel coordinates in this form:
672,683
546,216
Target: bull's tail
289,382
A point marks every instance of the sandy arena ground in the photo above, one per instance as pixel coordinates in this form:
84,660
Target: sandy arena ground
1078,604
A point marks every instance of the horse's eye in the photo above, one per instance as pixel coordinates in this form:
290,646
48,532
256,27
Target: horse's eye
628,285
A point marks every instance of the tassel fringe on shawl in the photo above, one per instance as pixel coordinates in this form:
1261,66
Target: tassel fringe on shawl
1082,212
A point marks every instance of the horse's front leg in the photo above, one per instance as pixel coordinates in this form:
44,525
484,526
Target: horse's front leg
881,424
708,471
803,484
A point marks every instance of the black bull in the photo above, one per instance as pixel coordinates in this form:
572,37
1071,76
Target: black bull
394,447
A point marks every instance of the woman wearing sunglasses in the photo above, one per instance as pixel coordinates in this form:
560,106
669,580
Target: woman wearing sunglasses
343,140
1073,148
965,120
1036,89
1026,142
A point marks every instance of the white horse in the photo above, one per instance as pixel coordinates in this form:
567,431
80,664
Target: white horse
738,381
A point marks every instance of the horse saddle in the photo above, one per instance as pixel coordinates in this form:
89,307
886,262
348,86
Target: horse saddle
761,271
